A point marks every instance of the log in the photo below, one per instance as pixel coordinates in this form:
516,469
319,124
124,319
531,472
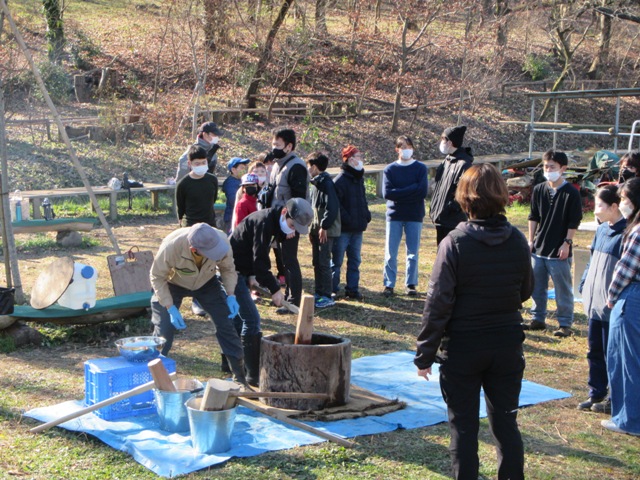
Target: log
324,366
304,330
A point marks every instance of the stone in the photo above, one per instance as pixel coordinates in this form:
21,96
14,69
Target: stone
68,238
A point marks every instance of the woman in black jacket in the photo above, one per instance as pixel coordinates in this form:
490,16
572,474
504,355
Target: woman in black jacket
472,324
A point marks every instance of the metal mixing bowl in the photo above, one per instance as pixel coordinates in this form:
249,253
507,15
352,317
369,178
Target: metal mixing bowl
140,349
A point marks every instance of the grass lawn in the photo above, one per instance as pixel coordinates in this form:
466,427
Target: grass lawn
560,442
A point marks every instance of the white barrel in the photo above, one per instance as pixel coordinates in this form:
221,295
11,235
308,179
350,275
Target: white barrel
81,292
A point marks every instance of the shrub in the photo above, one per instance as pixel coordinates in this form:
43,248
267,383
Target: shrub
536,66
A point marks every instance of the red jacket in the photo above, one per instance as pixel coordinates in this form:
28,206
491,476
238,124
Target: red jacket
245,206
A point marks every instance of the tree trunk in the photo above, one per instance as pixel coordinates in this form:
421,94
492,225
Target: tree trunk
55,30
215,28
502,30
602,55
378,14
321,17
265,55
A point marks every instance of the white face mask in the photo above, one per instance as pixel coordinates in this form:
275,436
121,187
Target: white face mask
262,179
285,227
552,176
215,140
358,165
406,153
200,169
444,148
626,210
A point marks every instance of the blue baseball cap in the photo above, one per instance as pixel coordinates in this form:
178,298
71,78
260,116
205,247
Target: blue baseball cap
235,161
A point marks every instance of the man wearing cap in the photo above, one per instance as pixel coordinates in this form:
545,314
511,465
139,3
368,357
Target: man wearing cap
355,216
185,266
208,136
251,242
237,168
290,179
445,212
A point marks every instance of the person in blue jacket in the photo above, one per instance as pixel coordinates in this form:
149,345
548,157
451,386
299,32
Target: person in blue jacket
606,250
404,187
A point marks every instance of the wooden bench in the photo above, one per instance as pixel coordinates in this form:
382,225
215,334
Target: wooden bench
55,225
37,196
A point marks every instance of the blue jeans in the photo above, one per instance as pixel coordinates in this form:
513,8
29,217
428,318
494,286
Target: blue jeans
351,243
412,232
213,300
560,272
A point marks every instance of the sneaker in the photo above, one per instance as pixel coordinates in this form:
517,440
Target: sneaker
534,325
282,280
587,404
353,295
388,291
609,425
411,291
283,311
324,302
563,332
603,406
197,309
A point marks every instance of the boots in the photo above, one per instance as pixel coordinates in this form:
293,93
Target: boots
224,365
251,344
237,368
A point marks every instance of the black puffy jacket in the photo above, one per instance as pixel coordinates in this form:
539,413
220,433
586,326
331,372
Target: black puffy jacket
444,210
354,208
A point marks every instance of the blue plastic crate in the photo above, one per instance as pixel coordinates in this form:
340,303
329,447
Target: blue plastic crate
106,377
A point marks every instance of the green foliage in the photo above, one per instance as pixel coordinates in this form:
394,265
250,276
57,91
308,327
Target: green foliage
57,81
7,345
42,241
54,335
538,67
310,138
83,50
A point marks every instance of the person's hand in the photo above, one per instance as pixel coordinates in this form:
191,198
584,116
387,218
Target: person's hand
234,308
610,305
277,298
531,246
291,235
253,283
322,235
424,372
176,319
563,253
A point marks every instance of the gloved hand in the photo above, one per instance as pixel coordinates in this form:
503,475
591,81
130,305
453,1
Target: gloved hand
234,308
176,319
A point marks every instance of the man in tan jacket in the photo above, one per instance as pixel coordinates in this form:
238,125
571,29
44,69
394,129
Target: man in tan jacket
185,266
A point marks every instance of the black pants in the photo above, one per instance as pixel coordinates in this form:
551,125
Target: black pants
499,372
289,253
321,258
442,232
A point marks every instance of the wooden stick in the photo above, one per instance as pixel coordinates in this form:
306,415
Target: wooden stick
304,330
279,415
295,395
160,376
216,394
122,396
289,306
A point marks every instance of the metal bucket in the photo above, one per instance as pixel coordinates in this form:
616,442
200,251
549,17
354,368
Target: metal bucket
171,405
210,430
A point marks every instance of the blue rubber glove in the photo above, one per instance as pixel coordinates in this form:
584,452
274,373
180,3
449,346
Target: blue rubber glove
176,319
234,308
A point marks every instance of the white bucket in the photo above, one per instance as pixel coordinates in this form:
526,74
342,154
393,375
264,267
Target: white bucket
81,292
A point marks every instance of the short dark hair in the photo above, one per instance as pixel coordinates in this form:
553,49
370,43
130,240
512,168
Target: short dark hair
195,152
632,159
318,159
631,190
556,156
482,192
609,194
287,135
404,138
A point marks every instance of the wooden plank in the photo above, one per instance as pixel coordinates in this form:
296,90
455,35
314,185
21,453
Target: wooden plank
44,226
304,330
130,274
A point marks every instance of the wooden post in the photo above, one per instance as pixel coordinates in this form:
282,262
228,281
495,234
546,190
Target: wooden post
304,330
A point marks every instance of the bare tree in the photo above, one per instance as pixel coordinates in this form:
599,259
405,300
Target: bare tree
409,48
265,54
215,26
55,29
604,40
321,17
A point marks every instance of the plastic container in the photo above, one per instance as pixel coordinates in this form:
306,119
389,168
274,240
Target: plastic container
210,430
81,292
171,405
107,377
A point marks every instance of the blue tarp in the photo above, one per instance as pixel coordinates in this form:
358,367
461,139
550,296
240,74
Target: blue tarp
391,375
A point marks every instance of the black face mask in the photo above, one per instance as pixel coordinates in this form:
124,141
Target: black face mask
251,191
625,174
278,153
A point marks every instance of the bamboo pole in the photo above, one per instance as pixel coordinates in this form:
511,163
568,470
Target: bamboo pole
61,129
8,241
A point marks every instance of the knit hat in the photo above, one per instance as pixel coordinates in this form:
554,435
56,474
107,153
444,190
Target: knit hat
348,152
455,134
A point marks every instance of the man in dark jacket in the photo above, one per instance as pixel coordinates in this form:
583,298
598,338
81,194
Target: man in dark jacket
445,212
208,136
354,218
251,241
